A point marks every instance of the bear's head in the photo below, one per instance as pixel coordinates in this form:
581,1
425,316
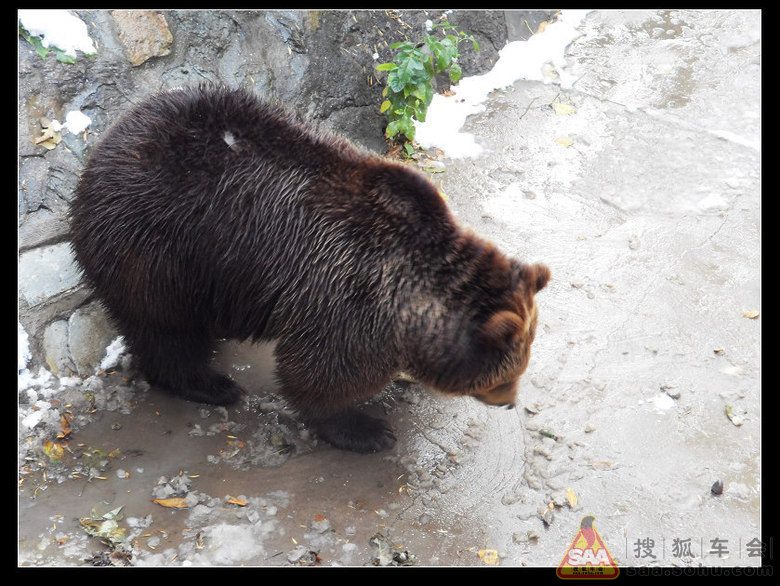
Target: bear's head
481,345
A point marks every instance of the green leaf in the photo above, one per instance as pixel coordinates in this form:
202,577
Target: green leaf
406,127
410,71
395,82
392,129
62,57
424,92
386,66
455,73
406,44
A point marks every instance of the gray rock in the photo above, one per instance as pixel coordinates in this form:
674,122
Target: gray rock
55,348
45,272
88,336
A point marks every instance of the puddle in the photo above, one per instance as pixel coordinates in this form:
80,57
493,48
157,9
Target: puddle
293,491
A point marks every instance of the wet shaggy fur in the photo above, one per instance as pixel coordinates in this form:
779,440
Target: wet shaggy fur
205,213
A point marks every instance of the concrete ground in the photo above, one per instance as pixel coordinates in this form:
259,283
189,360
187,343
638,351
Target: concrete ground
642,194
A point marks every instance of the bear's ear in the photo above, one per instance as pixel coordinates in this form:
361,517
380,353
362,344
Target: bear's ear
535,276
503,330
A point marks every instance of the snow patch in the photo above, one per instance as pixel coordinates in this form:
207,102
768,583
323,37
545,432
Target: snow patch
540,58
75,122
58,29
114,352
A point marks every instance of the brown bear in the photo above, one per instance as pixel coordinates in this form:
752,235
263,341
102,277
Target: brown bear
205,213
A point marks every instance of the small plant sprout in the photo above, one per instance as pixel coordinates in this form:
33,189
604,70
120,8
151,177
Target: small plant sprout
409,89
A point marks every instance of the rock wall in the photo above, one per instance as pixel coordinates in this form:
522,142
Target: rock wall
320,63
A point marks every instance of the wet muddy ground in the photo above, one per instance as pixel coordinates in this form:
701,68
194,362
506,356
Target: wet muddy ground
643,196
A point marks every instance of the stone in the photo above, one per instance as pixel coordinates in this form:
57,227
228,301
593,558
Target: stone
55,349
88,336
144,33
46,271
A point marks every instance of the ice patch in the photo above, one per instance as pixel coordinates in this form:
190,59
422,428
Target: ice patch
713,202
113,352
662,402
24,349
75,122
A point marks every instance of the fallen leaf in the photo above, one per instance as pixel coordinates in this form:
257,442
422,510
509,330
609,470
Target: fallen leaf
736,414
750,313
488,556
319,518
49,138
105,526
53,450
601,464
571,496
563,108
564,141
175,502
66,430
235,501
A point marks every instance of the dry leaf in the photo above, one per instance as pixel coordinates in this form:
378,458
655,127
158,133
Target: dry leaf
175,502
105,526
601,464
319,518
563,108
66,430
235,501
571,496
564,141
53,450
49,138
750,313
488,556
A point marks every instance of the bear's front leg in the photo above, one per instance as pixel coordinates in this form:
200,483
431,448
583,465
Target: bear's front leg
355,431
323,382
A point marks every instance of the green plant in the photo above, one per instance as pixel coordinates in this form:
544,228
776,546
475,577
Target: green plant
409,90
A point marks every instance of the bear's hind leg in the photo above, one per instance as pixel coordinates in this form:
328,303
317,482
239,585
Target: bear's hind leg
356,431
179,364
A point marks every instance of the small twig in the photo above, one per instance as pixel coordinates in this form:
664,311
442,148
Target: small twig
529,107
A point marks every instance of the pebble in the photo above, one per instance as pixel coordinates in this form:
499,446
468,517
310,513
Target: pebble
321,526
